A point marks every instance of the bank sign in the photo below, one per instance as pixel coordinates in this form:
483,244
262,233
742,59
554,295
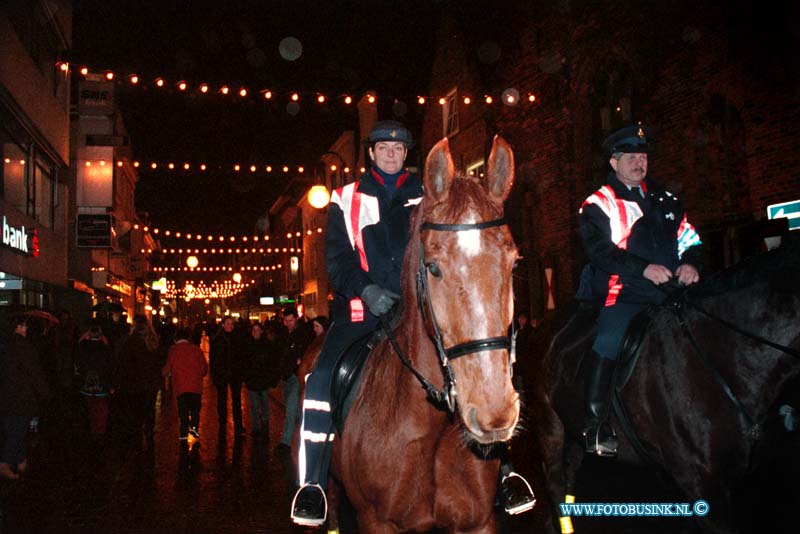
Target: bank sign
21,239
789,210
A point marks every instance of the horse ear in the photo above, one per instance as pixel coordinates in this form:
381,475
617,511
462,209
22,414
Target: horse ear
500,170
439,171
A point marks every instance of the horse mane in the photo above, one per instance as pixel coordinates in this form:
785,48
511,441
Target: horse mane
779,266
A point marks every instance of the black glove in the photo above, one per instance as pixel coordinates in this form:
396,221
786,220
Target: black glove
378,300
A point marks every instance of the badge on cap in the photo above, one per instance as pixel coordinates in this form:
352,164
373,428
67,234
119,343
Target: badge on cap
393,134
640,133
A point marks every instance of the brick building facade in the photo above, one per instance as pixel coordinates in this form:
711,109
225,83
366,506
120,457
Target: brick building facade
716,83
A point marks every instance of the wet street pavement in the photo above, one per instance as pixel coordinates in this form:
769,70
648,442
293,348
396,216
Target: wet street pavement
224,485
121,486
216,484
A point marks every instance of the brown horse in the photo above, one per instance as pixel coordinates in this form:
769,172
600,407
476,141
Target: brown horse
406,463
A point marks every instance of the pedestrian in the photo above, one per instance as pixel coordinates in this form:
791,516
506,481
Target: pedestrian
260,375
523,331
185,368
66,335
294,346
23,392
140,377
225,364
320,325
637,237
94,367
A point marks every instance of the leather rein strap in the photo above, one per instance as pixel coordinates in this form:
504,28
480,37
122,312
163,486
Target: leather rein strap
446,395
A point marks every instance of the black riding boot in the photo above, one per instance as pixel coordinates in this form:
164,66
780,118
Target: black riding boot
598,433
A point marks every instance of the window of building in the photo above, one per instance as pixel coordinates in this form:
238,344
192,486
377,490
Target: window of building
36,27
613,97
477,169
28,178
450,113
15,176
44,205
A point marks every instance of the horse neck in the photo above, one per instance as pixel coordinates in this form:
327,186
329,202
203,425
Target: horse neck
757,371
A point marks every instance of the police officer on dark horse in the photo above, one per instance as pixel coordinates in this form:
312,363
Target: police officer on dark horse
366,237
636,237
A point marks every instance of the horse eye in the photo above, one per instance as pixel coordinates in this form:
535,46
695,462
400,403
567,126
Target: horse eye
434,270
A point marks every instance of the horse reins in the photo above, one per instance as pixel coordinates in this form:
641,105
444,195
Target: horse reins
447,395
679,306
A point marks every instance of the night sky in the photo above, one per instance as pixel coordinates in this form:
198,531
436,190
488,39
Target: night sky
347,47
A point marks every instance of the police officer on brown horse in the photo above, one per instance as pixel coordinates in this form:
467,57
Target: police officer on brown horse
367,235
637,237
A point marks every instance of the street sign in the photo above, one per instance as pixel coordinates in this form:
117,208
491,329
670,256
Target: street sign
788,210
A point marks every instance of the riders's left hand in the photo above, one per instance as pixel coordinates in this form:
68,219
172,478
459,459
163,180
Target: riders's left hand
687,274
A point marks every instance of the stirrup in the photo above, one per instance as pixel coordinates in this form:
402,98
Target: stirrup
594,446
525,504
310,521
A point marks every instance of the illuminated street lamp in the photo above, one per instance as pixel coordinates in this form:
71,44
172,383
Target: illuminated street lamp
237,277
192,262
318,196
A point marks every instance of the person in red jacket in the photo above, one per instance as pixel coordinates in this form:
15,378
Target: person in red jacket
186,366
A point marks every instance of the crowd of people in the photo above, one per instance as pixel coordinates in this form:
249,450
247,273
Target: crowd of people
112,373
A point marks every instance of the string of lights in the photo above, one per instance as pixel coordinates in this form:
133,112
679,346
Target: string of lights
204,167
217,268
509,97
170,251
200,290
190,236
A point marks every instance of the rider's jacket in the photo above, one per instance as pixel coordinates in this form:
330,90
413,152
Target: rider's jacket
367,234
624,231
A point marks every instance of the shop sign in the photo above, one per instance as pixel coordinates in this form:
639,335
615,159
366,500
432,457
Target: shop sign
21,239
93,230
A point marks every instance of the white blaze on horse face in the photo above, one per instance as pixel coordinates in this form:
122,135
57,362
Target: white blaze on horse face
469,242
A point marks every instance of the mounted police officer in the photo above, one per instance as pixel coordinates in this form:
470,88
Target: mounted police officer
366,238
637,237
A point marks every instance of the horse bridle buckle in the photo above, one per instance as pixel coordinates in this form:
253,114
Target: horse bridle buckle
450,397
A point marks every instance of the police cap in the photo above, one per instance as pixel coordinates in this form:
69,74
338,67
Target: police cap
627,140
390,131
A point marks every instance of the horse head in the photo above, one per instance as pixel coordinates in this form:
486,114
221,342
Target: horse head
464,287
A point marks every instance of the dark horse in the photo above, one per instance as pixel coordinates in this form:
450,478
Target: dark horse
684,421
408,464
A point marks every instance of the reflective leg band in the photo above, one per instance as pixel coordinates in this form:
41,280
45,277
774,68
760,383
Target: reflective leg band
566,522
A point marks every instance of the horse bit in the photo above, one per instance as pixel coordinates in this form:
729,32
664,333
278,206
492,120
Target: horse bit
447,395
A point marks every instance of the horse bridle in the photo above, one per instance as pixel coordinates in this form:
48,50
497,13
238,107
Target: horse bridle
447,395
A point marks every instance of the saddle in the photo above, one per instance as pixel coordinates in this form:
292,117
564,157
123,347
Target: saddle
349,368
631,342
629,349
